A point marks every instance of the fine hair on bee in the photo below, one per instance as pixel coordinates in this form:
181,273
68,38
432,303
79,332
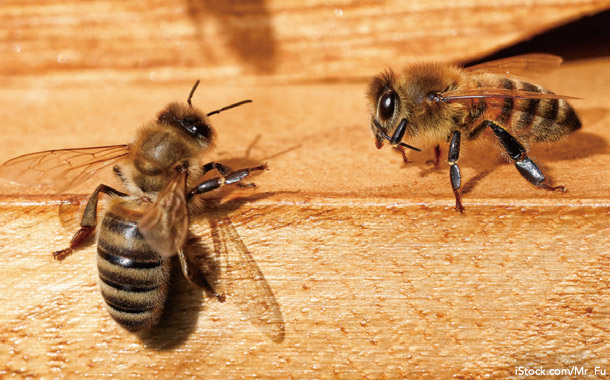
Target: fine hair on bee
444,103
139,230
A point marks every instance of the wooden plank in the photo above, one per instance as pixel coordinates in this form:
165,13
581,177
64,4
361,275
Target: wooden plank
375,274
272,41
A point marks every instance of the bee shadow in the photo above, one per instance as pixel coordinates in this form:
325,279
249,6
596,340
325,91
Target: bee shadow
179,319
248,159
253,39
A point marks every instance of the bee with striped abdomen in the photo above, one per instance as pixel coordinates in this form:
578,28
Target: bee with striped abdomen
141,229
441,103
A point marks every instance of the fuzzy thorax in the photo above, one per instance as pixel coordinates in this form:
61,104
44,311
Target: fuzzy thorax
412,93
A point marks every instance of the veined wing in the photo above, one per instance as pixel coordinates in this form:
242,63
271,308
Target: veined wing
62,168
245,284
165,224
496,93
527,65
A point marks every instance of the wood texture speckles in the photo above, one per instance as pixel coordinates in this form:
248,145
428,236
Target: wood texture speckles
374,273
258,41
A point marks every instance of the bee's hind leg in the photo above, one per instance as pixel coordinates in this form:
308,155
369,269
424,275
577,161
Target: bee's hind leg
516,151
193,271
88,222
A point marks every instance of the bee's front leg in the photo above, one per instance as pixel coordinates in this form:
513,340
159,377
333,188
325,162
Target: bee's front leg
231,178
224,170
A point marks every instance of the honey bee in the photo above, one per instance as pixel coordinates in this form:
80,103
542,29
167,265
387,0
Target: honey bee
441,103
141,229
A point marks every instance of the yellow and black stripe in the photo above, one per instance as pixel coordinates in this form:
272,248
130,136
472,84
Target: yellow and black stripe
133,277
528,119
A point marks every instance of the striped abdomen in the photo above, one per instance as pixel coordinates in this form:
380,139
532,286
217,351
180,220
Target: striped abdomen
527,119
133,278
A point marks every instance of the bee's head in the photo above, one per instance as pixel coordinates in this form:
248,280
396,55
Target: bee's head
191,120
389,112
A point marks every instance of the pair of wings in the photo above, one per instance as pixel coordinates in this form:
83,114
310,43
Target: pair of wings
164,225
528,65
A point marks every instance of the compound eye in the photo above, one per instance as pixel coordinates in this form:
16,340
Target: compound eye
190,120
196,127
203,130
387,104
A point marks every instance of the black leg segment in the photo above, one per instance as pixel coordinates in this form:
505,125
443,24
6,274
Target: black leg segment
222,169
231,178
528,169
454,169
513,148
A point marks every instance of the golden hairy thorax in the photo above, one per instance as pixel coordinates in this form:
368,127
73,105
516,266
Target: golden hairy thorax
154,154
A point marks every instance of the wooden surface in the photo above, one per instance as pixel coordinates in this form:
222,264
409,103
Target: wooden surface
273,41
375,275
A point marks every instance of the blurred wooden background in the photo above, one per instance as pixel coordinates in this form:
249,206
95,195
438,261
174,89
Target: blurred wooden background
374,273
257,41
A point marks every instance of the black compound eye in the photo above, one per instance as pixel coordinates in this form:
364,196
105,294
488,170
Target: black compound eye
387,104
196,127
190,120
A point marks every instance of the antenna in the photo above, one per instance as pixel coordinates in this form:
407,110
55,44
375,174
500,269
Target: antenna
192,92
229,107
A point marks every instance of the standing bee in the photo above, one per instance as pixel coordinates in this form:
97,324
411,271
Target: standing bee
142,229
440,102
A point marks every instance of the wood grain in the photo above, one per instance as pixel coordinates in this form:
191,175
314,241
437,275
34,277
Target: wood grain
374,273
272,41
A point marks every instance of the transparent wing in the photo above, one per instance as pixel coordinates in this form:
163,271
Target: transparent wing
244,283
63,168
527,65
70,210
496,93
165,224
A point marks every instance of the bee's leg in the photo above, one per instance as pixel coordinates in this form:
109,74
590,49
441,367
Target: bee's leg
437,155
224,170
528,169
88,222
231,178
401,150
454,169
193,273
